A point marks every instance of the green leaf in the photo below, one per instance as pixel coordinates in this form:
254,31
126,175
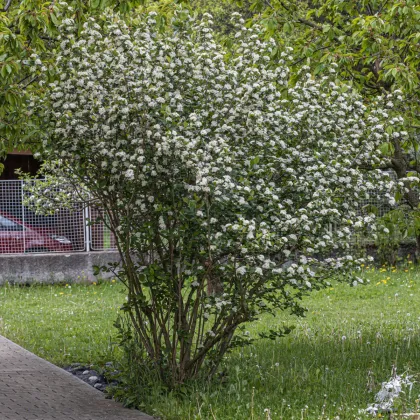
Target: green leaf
54,19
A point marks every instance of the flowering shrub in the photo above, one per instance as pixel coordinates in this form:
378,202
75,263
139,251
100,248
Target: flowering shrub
219,180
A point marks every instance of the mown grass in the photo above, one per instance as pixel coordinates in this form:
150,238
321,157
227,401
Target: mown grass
330,366
63,323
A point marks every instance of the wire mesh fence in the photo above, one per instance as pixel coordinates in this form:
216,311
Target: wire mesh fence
81,228
24,230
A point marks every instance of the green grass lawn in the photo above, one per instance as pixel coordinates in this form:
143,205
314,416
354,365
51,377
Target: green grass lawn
64,324
329,367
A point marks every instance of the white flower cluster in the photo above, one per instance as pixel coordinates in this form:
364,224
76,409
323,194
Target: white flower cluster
390,391
261,177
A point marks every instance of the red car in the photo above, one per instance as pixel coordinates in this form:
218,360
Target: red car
17,237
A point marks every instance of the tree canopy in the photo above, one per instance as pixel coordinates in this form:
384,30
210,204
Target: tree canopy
375,43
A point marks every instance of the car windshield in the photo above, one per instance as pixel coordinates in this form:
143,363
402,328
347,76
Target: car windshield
9,225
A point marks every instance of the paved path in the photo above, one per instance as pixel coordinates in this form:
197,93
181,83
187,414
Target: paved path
34,389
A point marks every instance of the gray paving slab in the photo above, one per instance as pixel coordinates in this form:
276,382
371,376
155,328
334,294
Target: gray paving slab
33,389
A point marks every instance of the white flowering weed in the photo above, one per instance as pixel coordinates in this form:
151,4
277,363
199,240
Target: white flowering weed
389,392
221,179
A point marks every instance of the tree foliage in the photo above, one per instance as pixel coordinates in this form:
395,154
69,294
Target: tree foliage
375,43
220,181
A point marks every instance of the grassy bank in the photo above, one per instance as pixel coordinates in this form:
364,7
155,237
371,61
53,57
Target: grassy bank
331,365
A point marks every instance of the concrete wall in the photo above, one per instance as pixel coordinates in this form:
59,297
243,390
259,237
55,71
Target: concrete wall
50,268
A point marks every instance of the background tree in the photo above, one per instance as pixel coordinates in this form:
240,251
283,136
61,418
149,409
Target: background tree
376,45
219,180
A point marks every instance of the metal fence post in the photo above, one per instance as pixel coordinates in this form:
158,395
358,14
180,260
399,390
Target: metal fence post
23,212
87,228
